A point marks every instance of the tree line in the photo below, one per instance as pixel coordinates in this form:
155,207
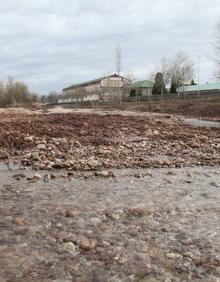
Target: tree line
14,93
176,71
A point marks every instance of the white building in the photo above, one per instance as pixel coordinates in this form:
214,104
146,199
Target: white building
102,88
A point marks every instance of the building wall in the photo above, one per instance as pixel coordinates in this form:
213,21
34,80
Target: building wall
149,92
92,88
83,93
103,89
112,82
141,92
112,88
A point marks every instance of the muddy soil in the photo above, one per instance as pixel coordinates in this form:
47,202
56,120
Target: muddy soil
141,225
68,215
205,108
93,128
79,141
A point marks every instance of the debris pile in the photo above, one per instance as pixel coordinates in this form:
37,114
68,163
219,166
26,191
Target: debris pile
94,142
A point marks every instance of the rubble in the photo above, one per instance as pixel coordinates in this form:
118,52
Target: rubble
72,216
65,142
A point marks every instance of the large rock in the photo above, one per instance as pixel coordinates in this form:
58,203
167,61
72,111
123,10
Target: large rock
41,147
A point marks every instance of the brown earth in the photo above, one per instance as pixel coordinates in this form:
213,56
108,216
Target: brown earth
95,128
143,225
201,108
90,141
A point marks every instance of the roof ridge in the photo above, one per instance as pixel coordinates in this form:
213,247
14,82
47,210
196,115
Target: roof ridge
89,81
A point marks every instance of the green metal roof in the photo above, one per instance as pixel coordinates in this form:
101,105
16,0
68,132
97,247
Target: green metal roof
202,87
142,84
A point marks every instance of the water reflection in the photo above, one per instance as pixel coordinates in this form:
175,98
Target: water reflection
204,123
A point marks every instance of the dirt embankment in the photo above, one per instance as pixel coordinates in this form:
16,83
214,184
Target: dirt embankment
205,108
200,108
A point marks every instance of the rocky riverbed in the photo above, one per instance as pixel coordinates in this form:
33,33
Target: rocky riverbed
108,197
79,141
130,225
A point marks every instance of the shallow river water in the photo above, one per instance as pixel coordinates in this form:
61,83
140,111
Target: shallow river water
141,225
203,123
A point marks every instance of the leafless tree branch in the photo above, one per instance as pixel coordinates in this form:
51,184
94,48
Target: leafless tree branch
118,58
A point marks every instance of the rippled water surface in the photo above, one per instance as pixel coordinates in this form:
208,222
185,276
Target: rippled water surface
203,123
149,225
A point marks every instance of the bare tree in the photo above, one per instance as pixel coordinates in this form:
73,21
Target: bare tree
130,76
16,93
52,97
127,84
179,69
118,58
166,67
182,70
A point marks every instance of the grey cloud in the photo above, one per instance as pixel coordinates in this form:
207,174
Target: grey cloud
50,44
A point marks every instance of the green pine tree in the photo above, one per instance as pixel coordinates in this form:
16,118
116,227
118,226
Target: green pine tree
159,86
173,87
192,82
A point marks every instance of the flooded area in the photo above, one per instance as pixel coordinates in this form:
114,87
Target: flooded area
138,225
202,123
115,198
9,165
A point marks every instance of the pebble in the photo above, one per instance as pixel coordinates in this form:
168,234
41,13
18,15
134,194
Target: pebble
173,255
19,176
214,184
134,212
95,220
93,163
72,213
103,173
29,138
85,245
20,221
35,156
27,156
70,248
41,147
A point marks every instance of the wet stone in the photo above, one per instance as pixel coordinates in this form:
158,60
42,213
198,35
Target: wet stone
85,245
73,213
70,248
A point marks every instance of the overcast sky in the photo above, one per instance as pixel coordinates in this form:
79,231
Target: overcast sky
50,44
